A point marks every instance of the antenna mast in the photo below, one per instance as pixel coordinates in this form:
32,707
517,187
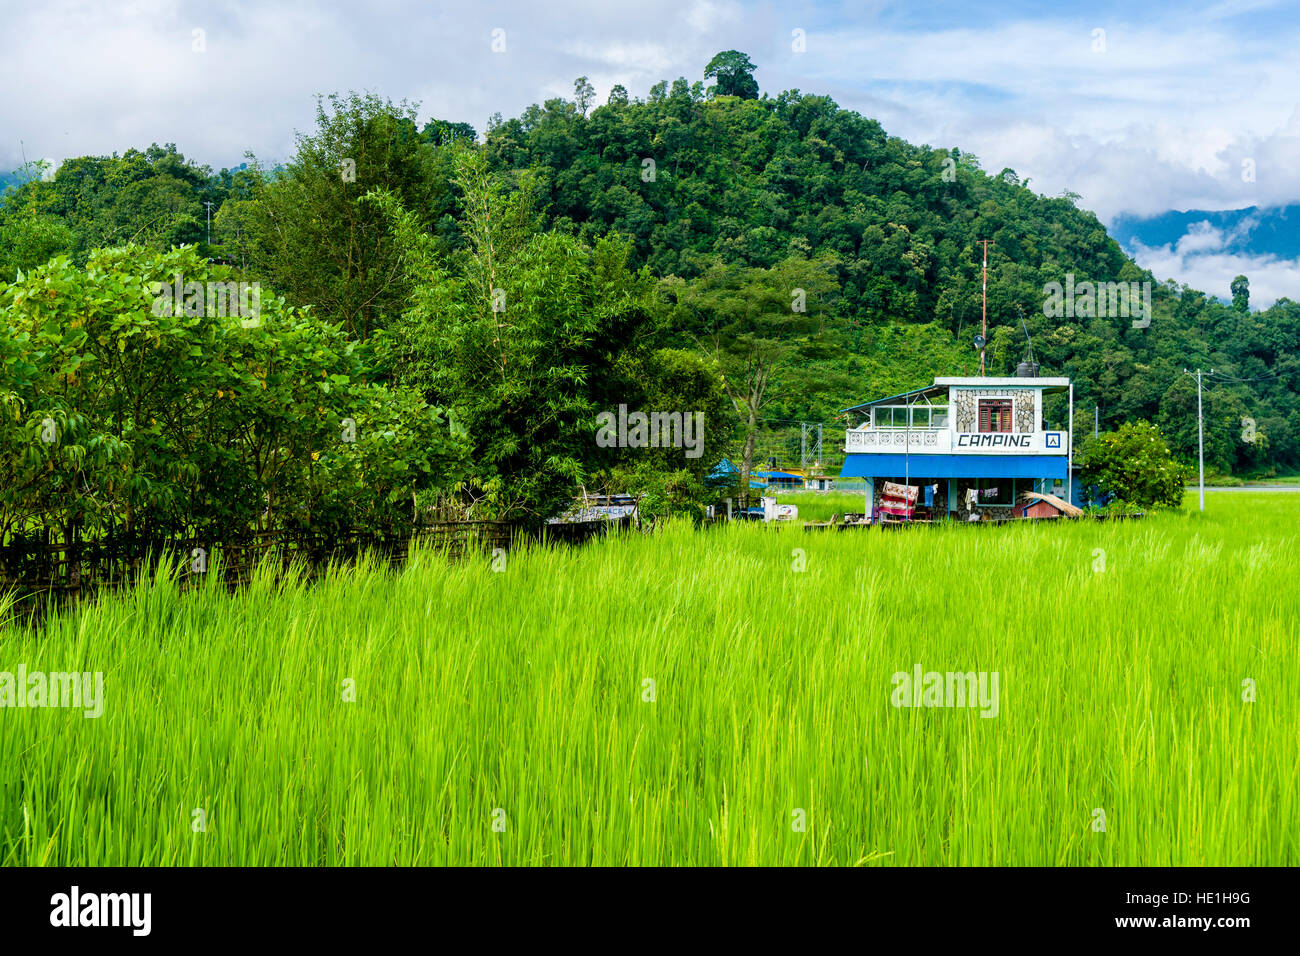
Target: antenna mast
984,311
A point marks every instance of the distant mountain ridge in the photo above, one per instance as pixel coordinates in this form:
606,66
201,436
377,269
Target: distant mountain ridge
1251,231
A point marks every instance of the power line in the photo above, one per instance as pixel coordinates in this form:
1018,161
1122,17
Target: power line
795,421
1220,376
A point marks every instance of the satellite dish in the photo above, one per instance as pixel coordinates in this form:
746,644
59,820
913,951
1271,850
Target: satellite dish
980,342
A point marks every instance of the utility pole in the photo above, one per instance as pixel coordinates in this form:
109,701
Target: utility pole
1096,421
819,444
1069,459
1200,431
803,447
984,309
208,203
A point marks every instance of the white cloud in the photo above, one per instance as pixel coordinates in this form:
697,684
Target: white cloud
1196,261
1163,119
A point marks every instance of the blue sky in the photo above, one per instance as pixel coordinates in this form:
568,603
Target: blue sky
1175,106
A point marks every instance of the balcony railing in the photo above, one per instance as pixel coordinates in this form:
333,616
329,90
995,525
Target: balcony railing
934,440
942,441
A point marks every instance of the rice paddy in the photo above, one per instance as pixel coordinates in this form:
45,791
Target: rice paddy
712,697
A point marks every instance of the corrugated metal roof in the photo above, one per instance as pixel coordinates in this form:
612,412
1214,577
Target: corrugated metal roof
892,465
891,398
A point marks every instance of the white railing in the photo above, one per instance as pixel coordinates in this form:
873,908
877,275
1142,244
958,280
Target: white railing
943,441
922,440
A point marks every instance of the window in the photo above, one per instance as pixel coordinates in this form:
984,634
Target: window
995,415
922,416
995,492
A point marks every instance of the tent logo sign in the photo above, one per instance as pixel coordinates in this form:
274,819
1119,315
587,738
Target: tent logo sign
1053,439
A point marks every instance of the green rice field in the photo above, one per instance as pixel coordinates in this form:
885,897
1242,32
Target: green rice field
715,697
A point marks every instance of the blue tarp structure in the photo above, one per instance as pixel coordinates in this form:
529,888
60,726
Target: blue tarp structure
724,473
954,466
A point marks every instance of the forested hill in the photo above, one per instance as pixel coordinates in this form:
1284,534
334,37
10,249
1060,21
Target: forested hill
698,178
752,181
727,193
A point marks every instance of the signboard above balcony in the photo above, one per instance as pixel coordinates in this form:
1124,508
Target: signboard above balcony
944,442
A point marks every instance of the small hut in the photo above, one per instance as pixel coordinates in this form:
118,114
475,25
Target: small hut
1039,504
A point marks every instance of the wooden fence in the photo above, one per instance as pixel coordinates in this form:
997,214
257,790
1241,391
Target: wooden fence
39,564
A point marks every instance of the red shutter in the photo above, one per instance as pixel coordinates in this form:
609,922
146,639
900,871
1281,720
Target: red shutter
995,415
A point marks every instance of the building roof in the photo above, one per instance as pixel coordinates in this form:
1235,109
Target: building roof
935,388
872,465
941,384
1060,504
1011,381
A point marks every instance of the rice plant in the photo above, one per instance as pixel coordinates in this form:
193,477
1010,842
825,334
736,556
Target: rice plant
723,696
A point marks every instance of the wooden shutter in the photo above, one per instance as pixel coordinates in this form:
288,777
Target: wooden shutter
995,415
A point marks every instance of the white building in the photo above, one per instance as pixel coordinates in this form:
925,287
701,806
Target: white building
976,444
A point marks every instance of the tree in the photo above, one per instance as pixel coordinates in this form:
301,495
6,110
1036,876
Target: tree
150,197
29,240
668,480
440,132
734,73
1134,465
521,331
310,234
127,411
750,324
583,94
1241,294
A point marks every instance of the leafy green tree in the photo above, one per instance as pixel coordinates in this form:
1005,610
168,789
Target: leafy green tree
520,332
1134,465
752,324
311,236
132,412
28,240
442,133
734,73
583,95
1241,294
150,197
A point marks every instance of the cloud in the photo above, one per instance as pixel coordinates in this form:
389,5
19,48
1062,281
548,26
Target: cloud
1175,111
1200,259
1164,116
